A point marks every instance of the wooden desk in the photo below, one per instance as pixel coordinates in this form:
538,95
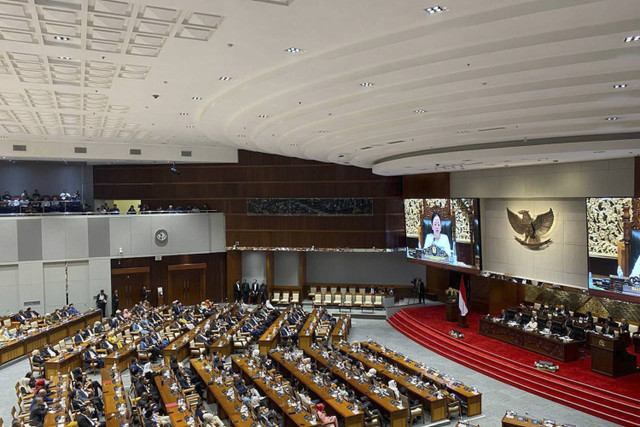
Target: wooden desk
545,345
397,414
170,400
341,330
609,355
351,418
180,345
116,398
224,344
305,336
46,335
522,421
64,363
428,398
228,409
59,383
269,340
279,401
466,394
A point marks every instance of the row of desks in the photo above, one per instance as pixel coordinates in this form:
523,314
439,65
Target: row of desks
437,405
180,415
269,340
394,409
116,398
224,344
341,330
228,408
58,410
352,416
179,347
465,393
48,335
277,400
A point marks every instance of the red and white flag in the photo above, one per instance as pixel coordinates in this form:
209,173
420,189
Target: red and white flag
462,299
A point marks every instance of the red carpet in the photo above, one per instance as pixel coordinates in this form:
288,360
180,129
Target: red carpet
574,384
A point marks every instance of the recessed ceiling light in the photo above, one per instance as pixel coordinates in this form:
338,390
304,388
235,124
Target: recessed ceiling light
242,135
196,98
294,50
366,84
435,9
64,57
463,131
630,39
323,131
62,38
184,114
611,119
225,78
263,116
620,86
419,111
190,126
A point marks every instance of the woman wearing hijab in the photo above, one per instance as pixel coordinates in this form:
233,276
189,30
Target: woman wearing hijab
324,419
40,383
211,420
48,319
393,386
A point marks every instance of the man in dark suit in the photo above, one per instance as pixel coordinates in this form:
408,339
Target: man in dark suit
263,292
144,294
115,301
78,338
101,302
624,326
20,317
607,330
84,419
48,352
421,299
237,291
245,291
255,287
38,412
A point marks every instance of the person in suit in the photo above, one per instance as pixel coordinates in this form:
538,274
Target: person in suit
569,332
48,352
84,419
245,291
421,298
285,332
624,326
255,288
237,291
78,338
91,356
263,292
20,317
101,302
612,322
36,358
607,330
144,294
38,412
135,367
115,301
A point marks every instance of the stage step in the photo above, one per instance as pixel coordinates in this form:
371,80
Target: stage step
584,397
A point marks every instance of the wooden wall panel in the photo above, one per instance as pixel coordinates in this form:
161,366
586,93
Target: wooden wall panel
423,186
226,188
636,182
159,277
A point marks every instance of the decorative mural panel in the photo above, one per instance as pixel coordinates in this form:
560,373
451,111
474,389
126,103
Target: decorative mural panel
461,210
604,222
412,212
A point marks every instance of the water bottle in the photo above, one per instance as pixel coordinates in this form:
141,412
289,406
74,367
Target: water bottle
590,280
620,272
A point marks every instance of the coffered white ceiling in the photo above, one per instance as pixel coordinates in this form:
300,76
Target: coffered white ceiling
372,83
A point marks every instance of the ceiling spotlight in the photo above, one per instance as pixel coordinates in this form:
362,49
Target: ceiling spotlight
611,119
242,135
323,131
435,9
225,78
184,114
263,116
293,50
190,126
463,131
62,38
620,86
366,84
632,38
66,58
419,111
196,98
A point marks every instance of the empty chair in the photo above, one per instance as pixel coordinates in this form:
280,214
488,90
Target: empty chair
367,302
295,297
317,300
453,406
276,298
337,299
312,292
343,290
34,324
377,301
347,301
323,289
197,348
357,302
285,298
414,411
334,290
7,323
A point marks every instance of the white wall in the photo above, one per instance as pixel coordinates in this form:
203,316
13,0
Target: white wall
581,179
286,268
564,261
254,266
390,268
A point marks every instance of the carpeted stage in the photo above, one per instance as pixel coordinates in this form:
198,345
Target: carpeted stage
574,384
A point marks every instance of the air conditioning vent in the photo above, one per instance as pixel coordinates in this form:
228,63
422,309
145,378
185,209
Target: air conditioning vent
19,148
135,152
490,129
185,153
395,142
80,150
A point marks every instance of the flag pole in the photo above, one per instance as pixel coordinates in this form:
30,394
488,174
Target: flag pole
462,305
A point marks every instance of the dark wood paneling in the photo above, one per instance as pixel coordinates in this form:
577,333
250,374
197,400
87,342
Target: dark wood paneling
234,271
423,186
159,276
226,188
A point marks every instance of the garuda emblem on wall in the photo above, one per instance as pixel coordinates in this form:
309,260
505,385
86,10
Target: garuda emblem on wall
533,230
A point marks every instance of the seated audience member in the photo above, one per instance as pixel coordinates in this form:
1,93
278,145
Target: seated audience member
607,330
612,322
84,419
211,420
78,338
547,327
36,358
48,352
91,356
72,310
36,195
624,326
38,412
532,325
570,333
324,419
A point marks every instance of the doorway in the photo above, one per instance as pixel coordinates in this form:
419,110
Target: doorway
129,283
187,283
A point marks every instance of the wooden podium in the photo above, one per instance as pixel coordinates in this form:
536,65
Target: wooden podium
609,355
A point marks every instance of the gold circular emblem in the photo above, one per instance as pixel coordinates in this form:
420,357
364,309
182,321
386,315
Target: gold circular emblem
601,343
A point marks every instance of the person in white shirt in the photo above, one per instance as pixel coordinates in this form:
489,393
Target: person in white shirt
65,195
435,238
636,268
532,325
